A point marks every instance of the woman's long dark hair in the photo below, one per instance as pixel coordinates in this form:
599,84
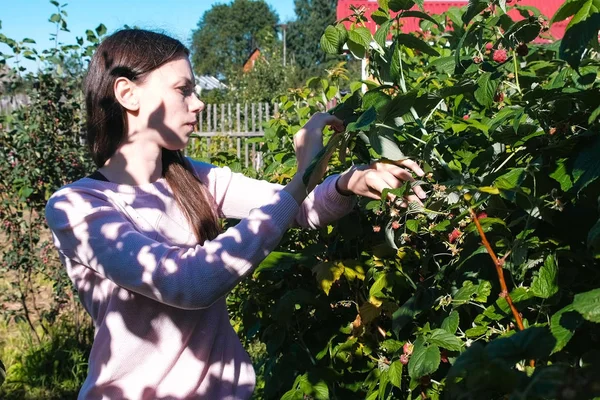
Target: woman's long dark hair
133,54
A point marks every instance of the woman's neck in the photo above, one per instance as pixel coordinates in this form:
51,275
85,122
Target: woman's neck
134,164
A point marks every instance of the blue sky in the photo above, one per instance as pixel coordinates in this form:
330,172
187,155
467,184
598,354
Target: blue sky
29,18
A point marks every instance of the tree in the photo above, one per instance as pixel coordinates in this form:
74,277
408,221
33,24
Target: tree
228,33
304,34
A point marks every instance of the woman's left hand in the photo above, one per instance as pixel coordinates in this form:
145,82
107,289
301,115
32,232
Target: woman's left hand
371,180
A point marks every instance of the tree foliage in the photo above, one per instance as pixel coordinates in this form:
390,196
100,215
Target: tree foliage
227,34
304,34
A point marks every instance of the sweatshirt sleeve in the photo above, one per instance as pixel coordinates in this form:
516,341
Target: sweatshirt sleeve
236,195
90,231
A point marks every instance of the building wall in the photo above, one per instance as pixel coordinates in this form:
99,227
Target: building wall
546,7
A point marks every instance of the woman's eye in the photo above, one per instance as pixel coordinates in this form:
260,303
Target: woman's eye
186,91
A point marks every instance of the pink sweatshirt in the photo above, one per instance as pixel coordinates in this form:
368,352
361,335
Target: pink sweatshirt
157,298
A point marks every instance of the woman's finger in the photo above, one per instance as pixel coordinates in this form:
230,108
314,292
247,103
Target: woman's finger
410,164
405,175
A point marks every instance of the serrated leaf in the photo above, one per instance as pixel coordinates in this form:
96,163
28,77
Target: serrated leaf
567,9
444,339
360,35
577,38
380,16
476,331
380,283
531,343
395,373
487,89
424,361
326,274
563,325
544,284
451,322
474,8
330,40
382,33
353,270
512,180
588,305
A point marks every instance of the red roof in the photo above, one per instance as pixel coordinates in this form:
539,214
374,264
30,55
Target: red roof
546,7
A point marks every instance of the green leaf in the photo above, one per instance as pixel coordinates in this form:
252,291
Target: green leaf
582,14
563,325
476,331
395,373
419,14
330,40
450,323
512,180
531,343
277,261
101,30
375,98
501,309
593,239
412,225
386,146
423,361
577,38
365,120
588,305
487,89
381,17
54,3
562,176
544,284
360,35
383,4
414,42
55,18
567,9
400,105
445,339
444,64
422,300
397,5
382,33
474,8
327,273
586,168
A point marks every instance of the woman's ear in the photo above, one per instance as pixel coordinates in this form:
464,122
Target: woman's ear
125,93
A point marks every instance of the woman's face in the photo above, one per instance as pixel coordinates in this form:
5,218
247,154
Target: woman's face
168,105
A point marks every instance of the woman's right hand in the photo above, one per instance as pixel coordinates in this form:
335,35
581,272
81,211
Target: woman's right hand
308,141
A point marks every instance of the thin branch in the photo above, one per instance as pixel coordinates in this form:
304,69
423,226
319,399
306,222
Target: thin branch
498,263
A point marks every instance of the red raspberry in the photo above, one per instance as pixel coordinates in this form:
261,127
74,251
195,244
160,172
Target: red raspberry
454,235
404,359
477,60
376,228
466,117
499,97
500,56
482,215
488,46
395,225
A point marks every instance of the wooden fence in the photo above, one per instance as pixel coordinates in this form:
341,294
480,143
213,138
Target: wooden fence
234,129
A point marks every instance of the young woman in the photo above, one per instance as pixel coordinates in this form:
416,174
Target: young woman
140,237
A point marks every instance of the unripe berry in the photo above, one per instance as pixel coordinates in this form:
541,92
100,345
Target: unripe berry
408,348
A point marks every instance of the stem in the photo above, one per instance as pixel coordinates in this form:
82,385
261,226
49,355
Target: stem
498,263
516,72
